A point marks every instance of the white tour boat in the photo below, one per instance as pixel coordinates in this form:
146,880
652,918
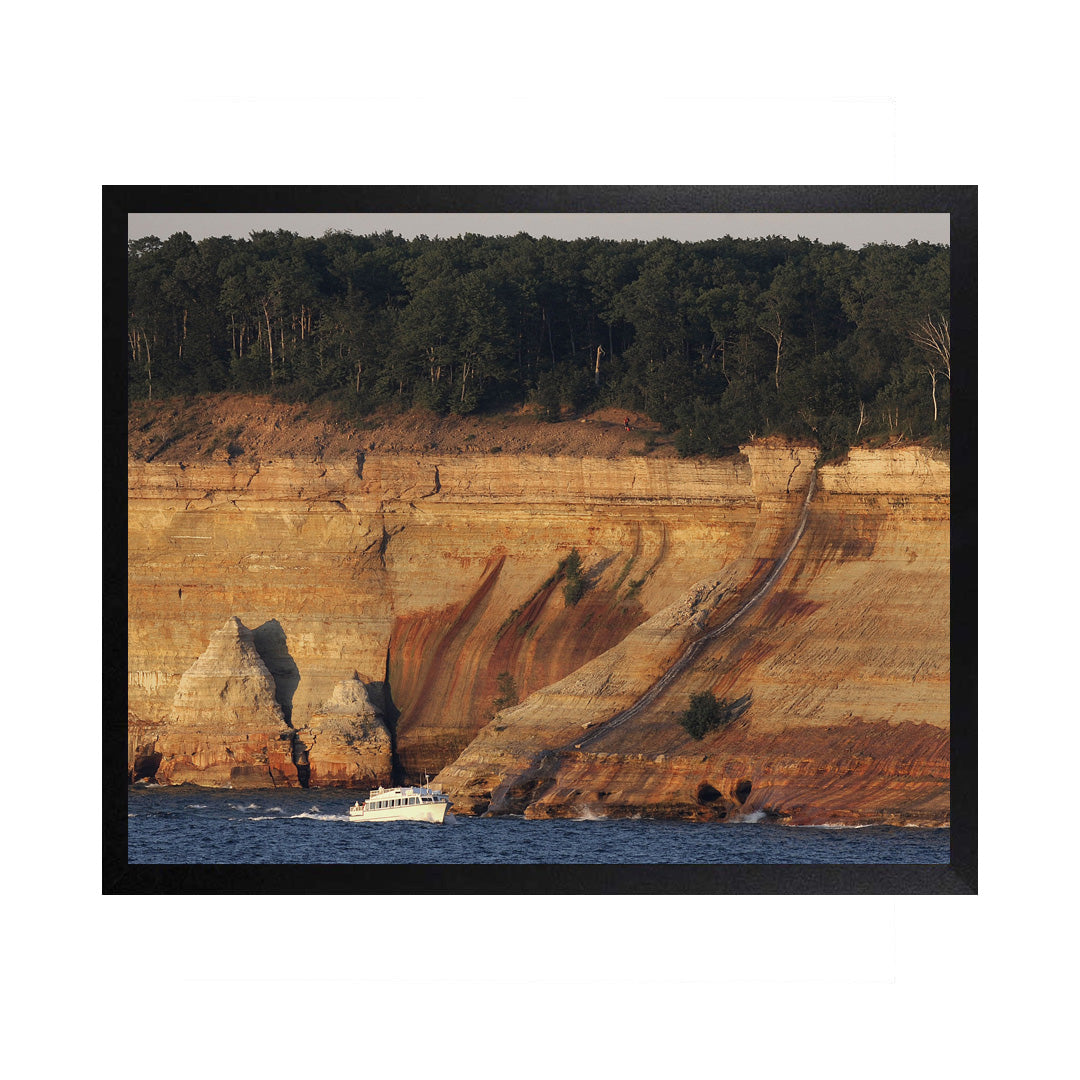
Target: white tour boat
402,804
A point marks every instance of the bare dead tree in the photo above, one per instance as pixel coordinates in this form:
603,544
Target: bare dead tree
932,336
149,368
140,342
777,335
269,336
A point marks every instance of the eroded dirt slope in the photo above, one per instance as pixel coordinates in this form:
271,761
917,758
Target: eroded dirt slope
247,428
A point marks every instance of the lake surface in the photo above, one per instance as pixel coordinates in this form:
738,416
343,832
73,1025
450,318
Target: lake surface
181,825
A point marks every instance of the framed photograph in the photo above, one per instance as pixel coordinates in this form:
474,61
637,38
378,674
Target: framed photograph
540,540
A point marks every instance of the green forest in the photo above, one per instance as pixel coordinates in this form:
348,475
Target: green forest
719,341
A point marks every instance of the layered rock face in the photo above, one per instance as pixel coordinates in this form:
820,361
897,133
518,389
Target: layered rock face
439,578
225,727
844,659
438,575
345,742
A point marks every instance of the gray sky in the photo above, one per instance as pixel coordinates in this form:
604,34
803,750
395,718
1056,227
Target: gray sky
851,229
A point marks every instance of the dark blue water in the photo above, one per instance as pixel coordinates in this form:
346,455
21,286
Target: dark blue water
189,825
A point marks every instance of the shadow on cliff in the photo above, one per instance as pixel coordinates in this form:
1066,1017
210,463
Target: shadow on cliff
271,645
390,715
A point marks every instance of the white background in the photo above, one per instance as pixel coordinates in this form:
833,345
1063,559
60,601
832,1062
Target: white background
568,93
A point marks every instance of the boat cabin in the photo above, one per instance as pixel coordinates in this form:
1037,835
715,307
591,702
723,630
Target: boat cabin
385,798
384,801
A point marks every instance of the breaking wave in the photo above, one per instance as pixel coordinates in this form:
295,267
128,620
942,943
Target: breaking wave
832,825
314,814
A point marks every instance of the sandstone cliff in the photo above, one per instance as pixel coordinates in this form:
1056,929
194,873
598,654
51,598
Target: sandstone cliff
844,660
345,742
434,575
225,726
437,576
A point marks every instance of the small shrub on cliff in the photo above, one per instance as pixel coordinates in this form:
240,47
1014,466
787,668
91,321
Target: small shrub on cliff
575,586
546,395
573,591
507,695
432,395
706,713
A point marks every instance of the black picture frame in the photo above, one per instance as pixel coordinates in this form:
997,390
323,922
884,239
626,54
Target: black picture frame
958,877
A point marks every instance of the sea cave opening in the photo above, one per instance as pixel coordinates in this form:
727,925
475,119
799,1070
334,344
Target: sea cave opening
706,793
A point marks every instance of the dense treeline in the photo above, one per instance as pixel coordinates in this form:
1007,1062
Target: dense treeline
718,340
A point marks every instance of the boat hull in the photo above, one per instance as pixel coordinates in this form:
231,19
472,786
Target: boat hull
430,812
